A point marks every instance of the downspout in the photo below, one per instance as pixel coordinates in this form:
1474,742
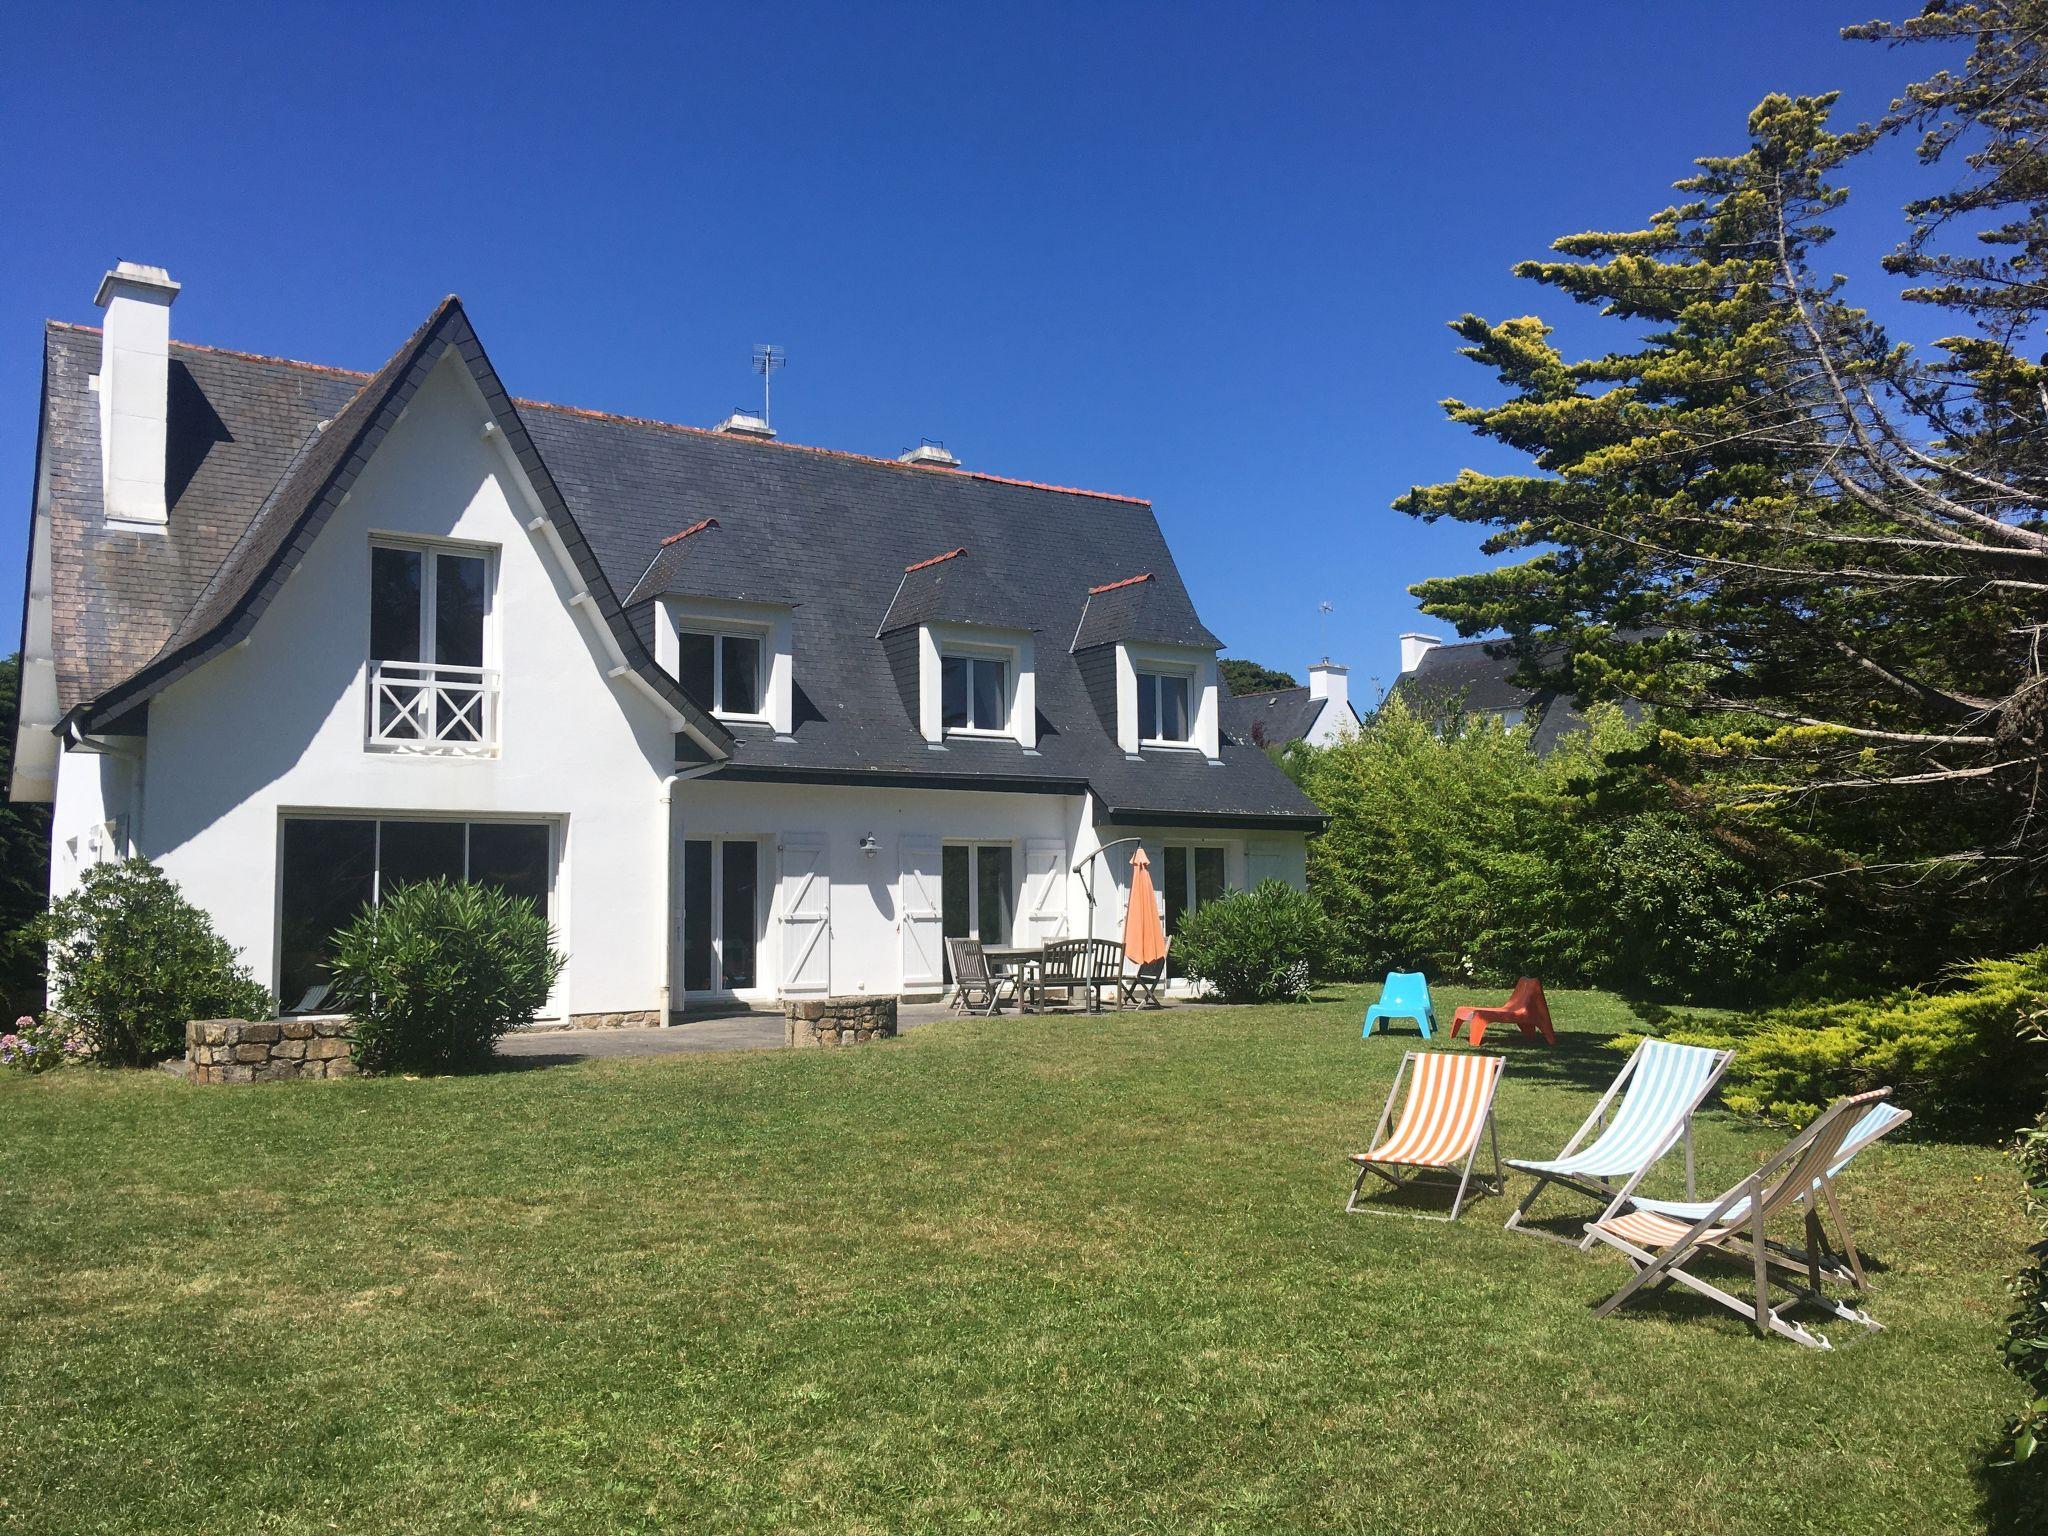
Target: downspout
667,905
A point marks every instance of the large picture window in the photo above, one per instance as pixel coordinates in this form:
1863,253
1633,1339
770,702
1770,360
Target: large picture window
1163,707
333,867
973,694
723,671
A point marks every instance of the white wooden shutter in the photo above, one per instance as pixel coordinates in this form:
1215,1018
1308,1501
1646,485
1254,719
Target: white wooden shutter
920,920
806,916
1045,889
1264,861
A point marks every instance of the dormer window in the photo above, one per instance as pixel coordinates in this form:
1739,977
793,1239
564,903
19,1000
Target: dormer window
722,668
974,693
737,658
1163,715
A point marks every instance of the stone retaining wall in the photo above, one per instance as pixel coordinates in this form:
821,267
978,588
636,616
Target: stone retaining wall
641,1018
838,1020
275,1051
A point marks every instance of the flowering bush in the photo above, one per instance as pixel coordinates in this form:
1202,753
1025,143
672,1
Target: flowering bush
36,1047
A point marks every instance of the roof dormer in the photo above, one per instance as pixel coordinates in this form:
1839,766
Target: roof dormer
963,654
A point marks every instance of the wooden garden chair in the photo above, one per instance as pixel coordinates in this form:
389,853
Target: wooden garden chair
976,988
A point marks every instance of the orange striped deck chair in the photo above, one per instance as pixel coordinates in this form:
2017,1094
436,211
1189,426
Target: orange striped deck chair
1448,1108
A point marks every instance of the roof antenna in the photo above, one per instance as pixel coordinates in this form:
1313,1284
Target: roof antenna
1323,611
768,358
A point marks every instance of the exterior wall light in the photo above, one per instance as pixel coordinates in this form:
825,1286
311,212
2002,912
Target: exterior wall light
868,845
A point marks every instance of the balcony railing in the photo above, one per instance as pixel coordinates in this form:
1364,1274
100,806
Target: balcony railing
418,706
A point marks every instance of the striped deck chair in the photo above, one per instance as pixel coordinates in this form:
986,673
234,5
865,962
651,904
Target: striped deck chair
1665,1084
1736,1226
1881,1119
1449,1106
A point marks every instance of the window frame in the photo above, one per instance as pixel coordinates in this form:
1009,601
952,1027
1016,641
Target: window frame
1002,656
720,632
555,908
430,551
1150,674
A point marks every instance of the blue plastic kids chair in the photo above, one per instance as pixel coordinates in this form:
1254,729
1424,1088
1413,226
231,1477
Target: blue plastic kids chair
1403,995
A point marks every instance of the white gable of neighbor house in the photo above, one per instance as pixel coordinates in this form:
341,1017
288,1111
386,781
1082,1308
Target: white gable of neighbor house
277,724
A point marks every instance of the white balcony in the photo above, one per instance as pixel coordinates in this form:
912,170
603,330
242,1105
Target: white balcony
434,709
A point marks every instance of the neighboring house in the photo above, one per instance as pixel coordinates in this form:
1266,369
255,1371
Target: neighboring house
1476,677
1317,714
745,719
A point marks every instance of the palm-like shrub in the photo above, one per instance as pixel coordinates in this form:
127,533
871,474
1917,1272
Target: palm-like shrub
1255,946
436,971
131,961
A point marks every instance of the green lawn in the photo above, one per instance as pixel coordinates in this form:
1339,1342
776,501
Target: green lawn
1049,1274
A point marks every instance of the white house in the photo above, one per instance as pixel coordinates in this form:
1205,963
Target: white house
747,719
1274,717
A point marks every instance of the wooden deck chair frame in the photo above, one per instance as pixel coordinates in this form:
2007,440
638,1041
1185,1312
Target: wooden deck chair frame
1616,1195
1788,1177
1838,1258
1423,1174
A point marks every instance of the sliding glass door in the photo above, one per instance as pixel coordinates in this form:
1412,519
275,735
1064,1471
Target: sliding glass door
331,867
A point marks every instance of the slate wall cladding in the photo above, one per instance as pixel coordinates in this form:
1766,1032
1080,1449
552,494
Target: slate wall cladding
838,1020
271,1051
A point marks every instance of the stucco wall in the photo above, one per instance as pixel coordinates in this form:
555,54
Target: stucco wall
277,724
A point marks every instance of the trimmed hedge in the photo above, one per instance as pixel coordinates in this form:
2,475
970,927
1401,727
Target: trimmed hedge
1959,1058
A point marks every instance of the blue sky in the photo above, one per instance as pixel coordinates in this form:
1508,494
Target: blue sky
1203,254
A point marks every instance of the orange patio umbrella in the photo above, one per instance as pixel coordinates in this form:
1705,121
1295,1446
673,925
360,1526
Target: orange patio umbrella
1144,937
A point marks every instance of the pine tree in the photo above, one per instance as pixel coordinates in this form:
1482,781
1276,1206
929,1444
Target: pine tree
1759,513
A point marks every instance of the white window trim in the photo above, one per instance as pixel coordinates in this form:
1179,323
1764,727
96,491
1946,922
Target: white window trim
492,680
771,624
558,888
963,651
719,633
1205,729
1015,649
1148,673
763,902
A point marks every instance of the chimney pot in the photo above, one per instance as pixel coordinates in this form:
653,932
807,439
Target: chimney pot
135,382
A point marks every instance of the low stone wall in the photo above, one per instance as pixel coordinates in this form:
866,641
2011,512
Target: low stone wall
838,1020
274,1051
643,1018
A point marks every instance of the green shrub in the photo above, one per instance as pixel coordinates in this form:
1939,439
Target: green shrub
436,971
2026,1341
1959,1058
1685,919
1255,946
131,960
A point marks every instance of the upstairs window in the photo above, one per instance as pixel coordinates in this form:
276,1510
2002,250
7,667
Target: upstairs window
429,688
722,669
974,694
1163,714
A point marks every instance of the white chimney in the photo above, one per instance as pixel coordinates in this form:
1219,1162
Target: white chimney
1327,680
135,382
1414,648
744,423
930,454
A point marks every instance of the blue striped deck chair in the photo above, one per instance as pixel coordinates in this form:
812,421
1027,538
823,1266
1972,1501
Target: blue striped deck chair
1665,1083
1881,1119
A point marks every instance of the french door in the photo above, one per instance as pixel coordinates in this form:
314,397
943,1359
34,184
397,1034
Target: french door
1191,878
977,893
721,914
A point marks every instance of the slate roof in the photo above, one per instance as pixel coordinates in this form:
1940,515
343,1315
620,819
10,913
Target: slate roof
1475,676
958,586
331,454
1272,718
1140,609
827,533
